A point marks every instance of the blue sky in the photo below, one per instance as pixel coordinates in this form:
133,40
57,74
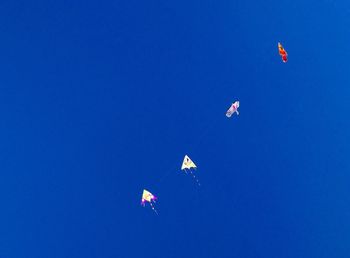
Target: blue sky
100,100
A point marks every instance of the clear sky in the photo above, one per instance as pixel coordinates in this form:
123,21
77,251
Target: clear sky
101,99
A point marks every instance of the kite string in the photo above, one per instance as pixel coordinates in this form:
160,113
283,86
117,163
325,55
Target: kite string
192,146
166,174
197,143
208,129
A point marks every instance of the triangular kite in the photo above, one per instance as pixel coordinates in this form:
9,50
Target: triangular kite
187,163
147,197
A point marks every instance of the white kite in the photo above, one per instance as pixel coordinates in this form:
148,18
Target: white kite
150,198
233,109
187,166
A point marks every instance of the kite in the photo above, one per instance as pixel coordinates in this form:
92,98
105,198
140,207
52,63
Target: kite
283,53
148,197
233,109
186,166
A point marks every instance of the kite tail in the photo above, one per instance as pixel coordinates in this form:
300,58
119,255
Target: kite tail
199,184
153,208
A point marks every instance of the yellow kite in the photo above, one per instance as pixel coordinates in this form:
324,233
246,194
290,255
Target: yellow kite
187,164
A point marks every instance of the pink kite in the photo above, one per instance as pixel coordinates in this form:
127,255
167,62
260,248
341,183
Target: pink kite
233,109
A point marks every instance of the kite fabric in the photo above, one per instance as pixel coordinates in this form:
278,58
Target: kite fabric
147,197
283,53
187,163
233,109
